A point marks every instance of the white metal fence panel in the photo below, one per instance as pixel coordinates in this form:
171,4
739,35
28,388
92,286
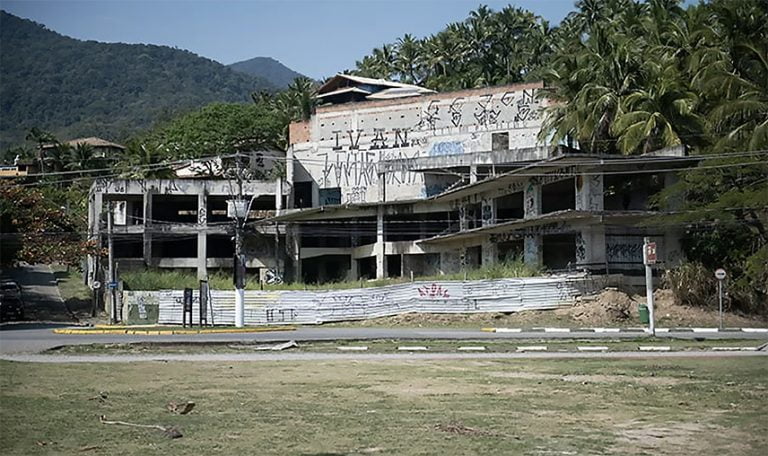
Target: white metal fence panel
314,307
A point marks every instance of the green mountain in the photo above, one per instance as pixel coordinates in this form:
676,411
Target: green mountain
267,68
77,88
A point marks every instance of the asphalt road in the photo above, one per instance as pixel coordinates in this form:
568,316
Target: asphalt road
40,293
15,339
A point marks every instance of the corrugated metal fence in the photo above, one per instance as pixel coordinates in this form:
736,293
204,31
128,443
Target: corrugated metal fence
313,307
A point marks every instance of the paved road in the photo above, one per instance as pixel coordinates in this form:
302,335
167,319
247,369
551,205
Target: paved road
250,357
36,338
40,292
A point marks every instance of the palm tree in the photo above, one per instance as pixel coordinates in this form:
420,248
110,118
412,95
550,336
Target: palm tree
81,158
41,138
659,114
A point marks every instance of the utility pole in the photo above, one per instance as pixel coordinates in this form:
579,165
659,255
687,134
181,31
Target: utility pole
111,271
240,215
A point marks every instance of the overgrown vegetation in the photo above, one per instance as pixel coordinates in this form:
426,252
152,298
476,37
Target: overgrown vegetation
155,279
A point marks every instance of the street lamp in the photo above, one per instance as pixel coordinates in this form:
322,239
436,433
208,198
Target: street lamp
237,209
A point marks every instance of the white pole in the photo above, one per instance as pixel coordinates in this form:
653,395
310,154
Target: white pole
720,292
239,307
649,288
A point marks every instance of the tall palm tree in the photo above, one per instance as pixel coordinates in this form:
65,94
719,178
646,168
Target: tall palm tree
41,138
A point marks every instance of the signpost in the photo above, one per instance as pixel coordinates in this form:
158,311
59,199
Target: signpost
720,275
649,259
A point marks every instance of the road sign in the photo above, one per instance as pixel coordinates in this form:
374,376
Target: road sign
112,285
96,285
720,274
649,253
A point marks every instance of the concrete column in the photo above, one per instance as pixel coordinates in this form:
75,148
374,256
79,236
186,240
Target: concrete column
294,241
354,269
589,192
202,236
532,198
450,262
279,195
590,247
673,250
675,202
488,211
147,240
472,174
381,258
490,253
463,217
533,253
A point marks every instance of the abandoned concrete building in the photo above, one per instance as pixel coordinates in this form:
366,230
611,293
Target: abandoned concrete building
435,183
388,179
183,223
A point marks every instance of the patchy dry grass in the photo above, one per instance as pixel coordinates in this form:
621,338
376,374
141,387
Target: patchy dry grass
671,406
390,345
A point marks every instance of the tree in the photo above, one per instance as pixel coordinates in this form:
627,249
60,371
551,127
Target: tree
214,130
36,230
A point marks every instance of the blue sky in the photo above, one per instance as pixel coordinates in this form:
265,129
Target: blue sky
316,38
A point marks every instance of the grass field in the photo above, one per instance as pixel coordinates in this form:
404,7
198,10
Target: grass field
390,346
671,406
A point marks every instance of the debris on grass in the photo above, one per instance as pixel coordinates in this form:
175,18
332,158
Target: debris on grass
180,408
274,347
101,397
455,427
172,432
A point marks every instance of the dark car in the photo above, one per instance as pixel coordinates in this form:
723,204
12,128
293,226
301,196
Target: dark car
10,288
11,307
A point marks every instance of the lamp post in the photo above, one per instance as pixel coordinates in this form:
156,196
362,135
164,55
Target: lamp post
237,209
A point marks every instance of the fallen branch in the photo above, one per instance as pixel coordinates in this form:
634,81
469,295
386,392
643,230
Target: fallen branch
170,431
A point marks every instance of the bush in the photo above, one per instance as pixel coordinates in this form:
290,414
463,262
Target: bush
692,284
695,285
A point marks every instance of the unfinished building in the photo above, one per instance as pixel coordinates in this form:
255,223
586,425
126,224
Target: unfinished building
428,183
388,179
184,223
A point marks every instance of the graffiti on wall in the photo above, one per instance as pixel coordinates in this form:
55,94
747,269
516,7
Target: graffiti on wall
446,148
485,111
537,230
581,248
433,291
351,146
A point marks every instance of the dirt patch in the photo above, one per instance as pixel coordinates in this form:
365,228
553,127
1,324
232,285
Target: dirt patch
461,429
608,308
689,437
426,387
596,378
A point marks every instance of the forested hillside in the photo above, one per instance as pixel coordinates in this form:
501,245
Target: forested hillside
85,88
267,68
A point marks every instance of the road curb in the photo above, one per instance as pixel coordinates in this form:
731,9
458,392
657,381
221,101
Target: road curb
624,330
167,332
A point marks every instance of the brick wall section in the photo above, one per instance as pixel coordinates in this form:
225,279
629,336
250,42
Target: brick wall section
298,132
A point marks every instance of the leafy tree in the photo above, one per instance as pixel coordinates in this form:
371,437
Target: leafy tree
214,130
36,230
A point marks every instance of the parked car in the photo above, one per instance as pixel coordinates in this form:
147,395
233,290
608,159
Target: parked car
11,307
10,288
